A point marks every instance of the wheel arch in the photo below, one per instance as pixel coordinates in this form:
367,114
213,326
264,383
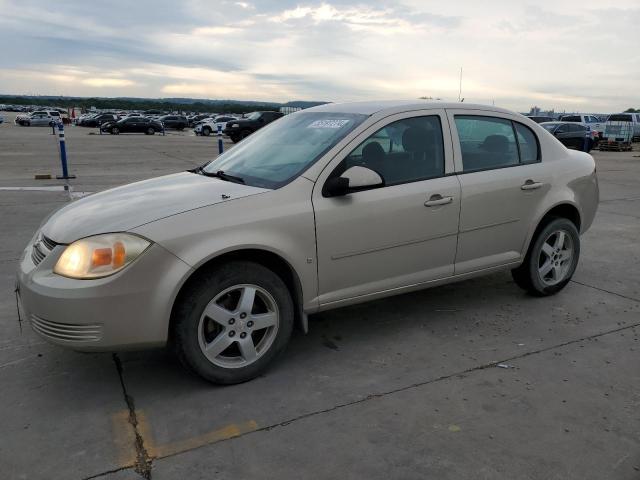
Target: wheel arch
266,258
565,209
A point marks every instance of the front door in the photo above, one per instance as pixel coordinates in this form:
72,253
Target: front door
394,236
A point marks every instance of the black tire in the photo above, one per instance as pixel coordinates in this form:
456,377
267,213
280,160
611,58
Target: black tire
115,131
205,287
527,275
245,133
206,131
235,138
150,131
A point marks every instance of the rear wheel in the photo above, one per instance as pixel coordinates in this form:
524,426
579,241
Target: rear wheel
206,131
151,131
552,259
232,322
115,131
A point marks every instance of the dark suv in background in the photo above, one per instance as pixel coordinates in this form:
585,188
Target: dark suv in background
571,135
175,121
243,127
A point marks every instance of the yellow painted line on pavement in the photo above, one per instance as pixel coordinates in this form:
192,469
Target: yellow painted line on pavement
124,437
225,433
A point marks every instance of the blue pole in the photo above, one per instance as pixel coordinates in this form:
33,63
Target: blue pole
63,154
585,145
220,148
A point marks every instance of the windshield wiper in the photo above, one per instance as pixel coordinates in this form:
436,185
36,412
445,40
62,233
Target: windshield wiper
221,175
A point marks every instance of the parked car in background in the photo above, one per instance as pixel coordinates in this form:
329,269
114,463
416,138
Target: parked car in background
193,119
38,118
540,118
97,120
327,207
591,121
176,122
210,125
243,127
571,135
148,126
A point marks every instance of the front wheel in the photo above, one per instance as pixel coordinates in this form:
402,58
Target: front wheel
551,260
115,131
151,131
206,131
232,322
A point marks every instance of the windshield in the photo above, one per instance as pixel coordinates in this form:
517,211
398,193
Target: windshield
253,116
279,152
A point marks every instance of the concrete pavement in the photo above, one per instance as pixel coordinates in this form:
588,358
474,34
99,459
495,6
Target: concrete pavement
406,387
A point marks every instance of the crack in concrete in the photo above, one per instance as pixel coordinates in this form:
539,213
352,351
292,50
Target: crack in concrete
143,463
105,473
610,292
373,396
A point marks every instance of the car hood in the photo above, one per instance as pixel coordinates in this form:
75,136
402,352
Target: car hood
127,207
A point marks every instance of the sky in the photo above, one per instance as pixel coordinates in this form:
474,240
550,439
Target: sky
569,55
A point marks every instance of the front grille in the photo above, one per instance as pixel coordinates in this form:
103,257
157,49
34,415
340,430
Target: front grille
65,331
48,243
37,255
42,248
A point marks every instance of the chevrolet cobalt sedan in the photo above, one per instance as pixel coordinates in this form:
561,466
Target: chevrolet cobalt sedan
330,206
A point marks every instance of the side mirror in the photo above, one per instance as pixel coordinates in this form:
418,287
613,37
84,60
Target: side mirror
352,180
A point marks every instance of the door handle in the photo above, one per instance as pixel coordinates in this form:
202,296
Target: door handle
531,185
437,200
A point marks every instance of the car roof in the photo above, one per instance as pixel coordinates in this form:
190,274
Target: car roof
392,106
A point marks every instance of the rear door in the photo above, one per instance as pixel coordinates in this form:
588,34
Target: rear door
502,180
394,236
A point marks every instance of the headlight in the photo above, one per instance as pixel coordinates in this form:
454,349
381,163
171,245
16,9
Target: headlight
100,256
234,125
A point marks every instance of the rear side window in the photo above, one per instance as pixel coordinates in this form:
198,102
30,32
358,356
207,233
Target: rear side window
486,142
490,142
571,118
528,144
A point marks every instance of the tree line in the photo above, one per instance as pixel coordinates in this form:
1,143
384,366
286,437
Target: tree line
138,104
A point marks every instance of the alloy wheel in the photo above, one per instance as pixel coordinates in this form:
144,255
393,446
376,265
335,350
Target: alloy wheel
556,257
238,326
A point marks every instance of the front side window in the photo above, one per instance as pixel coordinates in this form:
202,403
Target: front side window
404,151
279,152
486,142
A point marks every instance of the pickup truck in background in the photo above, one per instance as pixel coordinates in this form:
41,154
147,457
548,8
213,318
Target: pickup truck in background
594,123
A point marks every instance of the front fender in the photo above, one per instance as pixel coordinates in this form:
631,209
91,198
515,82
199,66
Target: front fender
280,221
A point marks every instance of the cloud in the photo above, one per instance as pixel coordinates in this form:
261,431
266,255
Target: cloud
564,55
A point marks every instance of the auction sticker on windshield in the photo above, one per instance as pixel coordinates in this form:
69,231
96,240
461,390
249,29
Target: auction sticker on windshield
328,123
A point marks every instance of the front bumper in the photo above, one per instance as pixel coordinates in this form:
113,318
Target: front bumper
127,310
